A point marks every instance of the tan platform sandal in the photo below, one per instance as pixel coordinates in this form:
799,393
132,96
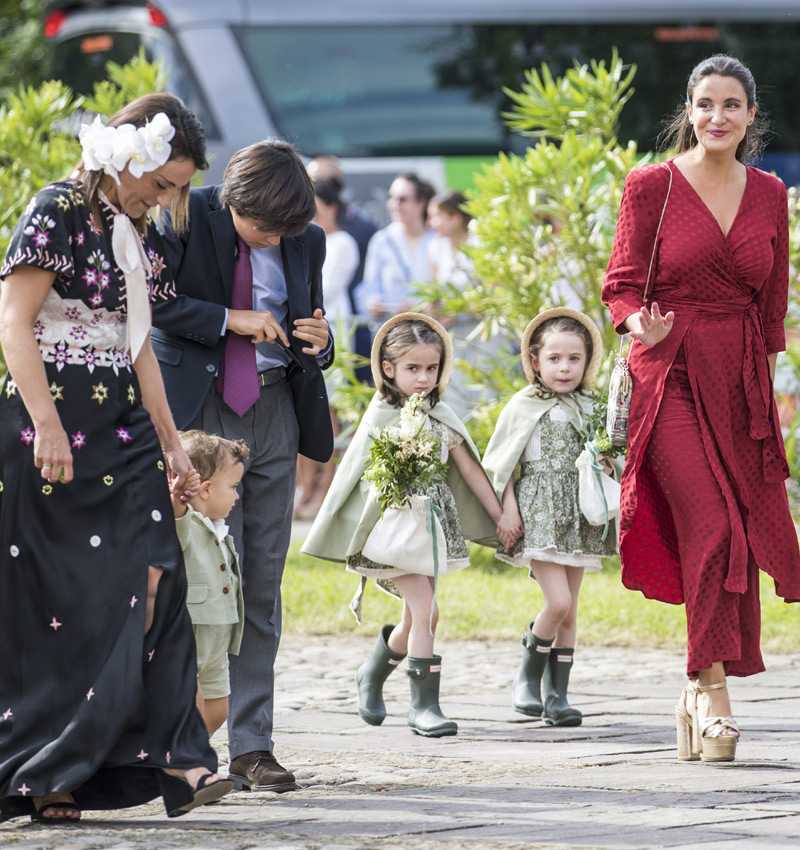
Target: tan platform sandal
703,738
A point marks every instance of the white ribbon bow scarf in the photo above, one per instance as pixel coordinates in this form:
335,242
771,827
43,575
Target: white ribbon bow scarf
129,255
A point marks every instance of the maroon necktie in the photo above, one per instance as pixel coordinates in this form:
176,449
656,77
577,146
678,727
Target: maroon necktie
238,374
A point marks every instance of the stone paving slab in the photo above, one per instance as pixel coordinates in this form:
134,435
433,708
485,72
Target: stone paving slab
505,782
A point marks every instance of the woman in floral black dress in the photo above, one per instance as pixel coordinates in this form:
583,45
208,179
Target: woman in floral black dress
97,676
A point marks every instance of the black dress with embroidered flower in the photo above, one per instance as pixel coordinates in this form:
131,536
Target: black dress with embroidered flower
89,704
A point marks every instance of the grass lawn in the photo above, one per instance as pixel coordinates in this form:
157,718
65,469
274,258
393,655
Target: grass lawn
494,600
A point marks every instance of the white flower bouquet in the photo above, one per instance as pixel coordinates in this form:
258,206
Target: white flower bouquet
405,459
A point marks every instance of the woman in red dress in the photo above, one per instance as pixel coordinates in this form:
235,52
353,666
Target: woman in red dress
704,503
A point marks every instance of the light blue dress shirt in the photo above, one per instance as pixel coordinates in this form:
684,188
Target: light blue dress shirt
391,267
270,293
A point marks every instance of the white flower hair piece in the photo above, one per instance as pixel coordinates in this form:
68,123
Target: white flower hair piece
142,149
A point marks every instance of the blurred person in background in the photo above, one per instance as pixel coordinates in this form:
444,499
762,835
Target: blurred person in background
449,219
341,261
397,255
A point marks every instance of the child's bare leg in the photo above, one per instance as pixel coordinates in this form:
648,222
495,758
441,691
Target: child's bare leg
153,577
552,579
568,628
417,593
317,496
306,473
324,475
398,639
215,713
560,585
425,716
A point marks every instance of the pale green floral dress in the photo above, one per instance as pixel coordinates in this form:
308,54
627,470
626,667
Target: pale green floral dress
442,497
547,495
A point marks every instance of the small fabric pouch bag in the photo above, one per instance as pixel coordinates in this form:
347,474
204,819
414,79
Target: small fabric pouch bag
598,493
408,538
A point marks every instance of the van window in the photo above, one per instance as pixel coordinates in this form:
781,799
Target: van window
373,91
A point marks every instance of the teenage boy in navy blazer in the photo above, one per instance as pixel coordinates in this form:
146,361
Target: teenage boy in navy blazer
242,346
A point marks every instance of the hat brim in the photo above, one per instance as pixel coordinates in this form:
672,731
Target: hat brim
447,351
556,312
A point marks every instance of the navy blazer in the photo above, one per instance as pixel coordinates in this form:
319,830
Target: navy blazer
186,329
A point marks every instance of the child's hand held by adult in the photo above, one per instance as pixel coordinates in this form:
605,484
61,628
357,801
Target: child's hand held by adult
179,468
191,486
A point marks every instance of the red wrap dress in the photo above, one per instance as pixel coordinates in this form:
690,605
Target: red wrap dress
704,503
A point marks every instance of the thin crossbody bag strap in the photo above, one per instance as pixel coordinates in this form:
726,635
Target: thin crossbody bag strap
401,260
652,258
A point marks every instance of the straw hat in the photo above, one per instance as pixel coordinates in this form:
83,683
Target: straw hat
597,342
447,358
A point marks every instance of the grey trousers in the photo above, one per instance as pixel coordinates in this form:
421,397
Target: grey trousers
261,525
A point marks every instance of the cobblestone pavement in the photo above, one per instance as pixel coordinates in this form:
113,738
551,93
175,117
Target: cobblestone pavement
504,781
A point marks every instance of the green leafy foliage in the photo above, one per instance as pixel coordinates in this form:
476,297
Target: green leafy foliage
125,83
24,54
348,395
587,98
544,222
595,431
34,147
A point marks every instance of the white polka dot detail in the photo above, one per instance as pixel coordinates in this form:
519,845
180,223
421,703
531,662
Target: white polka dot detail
156,516
14,551
95,541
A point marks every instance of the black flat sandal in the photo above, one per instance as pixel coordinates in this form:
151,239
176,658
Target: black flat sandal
47,802
205,792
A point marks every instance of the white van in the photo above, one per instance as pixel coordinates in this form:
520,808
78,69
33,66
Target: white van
417,85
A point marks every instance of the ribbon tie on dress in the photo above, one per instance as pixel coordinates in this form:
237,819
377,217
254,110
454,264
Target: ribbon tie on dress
755,375
129,255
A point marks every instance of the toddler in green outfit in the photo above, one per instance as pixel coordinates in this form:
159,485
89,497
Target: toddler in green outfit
214,596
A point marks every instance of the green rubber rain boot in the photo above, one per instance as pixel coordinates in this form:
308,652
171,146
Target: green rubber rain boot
371,675
425,717
557,711
526,690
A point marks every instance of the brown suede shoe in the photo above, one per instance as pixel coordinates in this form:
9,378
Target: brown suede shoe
260,771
